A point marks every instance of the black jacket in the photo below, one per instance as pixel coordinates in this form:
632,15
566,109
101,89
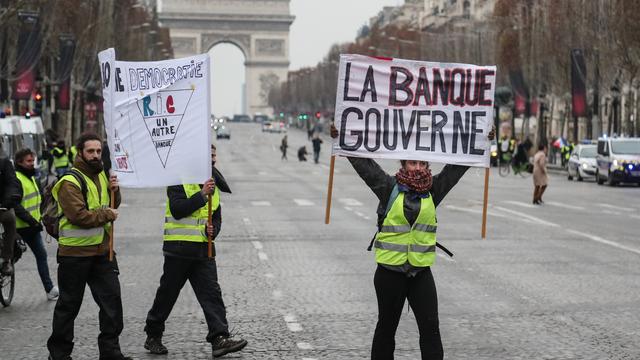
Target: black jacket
181,206
382,185
10,191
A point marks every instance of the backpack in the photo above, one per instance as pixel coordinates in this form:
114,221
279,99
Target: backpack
49,206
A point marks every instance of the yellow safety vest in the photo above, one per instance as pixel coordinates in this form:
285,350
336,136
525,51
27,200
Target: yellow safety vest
398,242
73,235
190,228
60,162
74,152
30,199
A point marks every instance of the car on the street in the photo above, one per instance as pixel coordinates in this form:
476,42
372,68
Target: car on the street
223,132
266,126
260,118
241,118
618,161
217,122
582,162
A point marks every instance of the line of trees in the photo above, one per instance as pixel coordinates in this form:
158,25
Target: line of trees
533,37
62,50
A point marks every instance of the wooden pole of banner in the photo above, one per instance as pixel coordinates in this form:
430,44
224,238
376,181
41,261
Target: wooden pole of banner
113,204
209,236
327,216
484,205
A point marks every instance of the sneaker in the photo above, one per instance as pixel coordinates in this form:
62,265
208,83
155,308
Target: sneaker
7,268
53,294
223,345
154,345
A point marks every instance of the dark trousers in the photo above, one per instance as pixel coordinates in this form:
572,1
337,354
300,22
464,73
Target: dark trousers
33,238
203,276
392,288
8,220
102,277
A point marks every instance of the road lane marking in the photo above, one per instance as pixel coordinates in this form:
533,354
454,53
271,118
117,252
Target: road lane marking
262,173
257,245
616,207
603,241
304,346
475,211
269,275
277,294
292,323
350,202
303,202
519,203
571,207
246,221
263,256
261,203
290,318
348,208
529,217
611,212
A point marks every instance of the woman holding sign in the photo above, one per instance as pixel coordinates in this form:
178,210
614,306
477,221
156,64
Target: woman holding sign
405,247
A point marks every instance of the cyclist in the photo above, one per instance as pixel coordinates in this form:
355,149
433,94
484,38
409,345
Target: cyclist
10,196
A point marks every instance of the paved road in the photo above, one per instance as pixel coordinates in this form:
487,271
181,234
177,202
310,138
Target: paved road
558,281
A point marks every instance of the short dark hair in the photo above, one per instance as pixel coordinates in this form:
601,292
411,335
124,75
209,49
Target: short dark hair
88,136
21,154
542,146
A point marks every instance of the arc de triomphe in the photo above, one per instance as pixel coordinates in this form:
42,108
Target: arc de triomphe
260,28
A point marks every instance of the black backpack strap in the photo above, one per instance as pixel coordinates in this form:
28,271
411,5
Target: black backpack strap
83,184
392,197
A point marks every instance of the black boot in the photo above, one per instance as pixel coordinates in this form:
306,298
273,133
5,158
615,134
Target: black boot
223,345
7,268
154,345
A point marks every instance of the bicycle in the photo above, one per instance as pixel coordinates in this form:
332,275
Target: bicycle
7,282
506,166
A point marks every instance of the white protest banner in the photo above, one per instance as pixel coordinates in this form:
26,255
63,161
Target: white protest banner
157,119
414,110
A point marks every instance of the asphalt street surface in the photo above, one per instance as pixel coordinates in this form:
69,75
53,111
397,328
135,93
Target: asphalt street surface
557,281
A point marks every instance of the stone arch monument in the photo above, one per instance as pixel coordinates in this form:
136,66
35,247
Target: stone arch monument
260,28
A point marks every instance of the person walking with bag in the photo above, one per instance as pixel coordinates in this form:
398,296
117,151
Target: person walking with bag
405,246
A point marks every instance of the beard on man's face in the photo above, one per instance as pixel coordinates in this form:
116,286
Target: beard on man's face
94,164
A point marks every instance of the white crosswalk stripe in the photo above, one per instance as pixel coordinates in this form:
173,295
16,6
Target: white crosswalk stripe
571,207
350,202
519,203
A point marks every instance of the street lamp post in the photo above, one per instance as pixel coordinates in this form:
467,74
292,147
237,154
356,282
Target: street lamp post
615,92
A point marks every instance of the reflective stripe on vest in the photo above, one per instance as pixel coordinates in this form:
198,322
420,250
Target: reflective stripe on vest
73,235
30,199
191,228
398,242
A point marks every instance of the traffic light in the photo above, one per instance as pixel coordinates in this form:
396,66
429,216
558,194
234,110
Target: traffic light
318,115
281,114
37,99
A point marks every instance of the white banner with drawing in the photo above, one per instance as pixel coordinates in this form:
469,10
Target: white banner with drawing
157,119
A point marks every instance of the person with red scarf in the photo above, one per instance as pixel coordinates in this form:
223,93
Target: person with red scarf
405,247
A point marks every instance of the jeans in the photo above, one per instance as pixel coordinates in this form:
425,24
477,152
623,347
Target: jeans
203,276
33,238
8,220
74,273
392,288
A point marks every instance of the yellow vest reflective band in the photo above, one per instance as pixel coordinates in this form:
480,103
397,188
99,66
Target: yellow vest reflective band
398,242
192,227
73,235
60,162
30,199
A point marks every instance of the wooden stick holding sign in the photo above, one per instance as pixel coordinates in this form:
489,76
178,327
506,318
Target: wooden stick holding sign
484,205
210,225
327,216
113,204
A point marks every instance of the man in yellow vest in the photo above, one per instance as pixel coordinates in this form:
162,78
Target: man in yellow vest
28,217
186,258
83,252
60,157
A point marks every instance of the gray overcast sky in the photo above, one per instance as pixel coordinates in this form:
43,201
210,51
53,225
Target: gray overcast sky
318,25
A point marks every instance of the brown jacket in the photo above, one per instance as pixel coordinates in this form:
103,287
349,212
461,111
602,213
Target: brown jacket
74,208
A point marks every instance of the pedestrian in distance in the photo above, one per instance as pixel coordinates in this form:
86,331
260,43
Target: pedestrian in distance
405,246
10,197
283,147
540,176
186,258
28,217
83,197
302,153
316,141
60,157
